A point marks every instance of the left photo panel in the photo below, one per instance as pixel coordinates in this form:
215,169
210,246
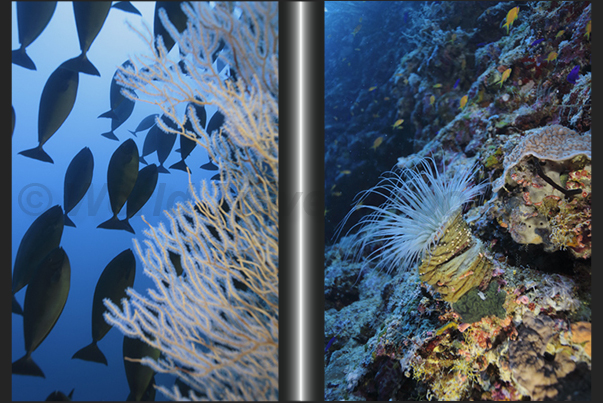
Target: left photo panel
145,215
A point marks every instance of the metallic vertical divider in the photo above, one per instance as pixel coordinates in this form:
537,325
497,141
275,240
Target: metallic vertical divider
301,200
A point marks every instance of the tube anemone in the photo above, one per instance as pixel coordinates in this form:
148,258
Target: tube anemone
421,220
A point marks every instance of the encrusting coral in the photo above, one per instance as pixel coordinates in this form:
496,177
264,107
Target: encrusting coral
216,323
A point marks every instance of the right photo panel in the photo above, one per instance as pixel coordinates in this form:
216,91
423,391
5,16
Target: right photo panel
457,201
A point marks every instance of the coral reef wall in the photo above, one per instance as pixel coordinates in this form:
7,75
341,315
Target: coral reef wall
214,311
505,86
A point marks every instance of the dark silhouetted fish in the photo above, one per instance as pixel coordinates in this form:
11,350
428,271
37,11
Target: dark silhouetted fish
32,18
142,192
139,376
216,177
44,301
126,6
175,258
150,143
112,283
215,123
187,145
56,103
89,19
121,107
210,166
176,17
165,143
58,396
121,177
145,124
77,181
42,236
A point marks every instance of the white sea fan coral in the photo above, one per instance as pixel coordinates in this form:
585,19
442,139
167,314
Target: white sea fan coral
412,220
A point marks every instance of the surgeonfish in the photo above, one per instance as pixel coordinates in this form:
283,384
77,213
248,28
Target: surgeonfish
141,193
150,143
187,145
32,18
44,301
145,124
121,177
165,143
117,276
42,236
121,107
77,181
89,19
139,376
56,103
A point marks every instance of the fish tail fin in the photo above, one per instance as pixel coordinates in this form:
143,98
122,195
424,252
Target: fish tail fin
133,132
142,160
126,225
37,153
111,223
162,169
109,114
91,353
26,366
67,220
110,135
81,64
16,307
181,165
21,58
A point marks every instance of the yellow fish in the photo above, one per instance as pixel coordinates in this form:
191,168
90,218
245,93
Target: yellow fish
552,56
345,172
355,31
511,16
438,85
377,142
431,100
559,33
336,194
505,75
397,123
372,88
464,100
386,99
587,34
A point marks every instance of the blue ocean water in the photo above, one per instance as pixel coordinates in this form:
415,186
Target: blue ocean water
37,186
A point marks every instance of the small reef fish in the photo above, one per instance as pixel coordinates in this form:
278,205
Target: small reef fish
345,172
536,42
552,56
377,142
397,123
505,76
357,29
456,83
511,17
587,33
573,75
559,33
463,102
141,193
438,85
372,88
121,107
431,100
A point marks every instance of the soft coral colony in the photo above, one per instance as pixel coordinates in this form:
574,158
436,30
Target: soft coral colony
472,280
213,314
